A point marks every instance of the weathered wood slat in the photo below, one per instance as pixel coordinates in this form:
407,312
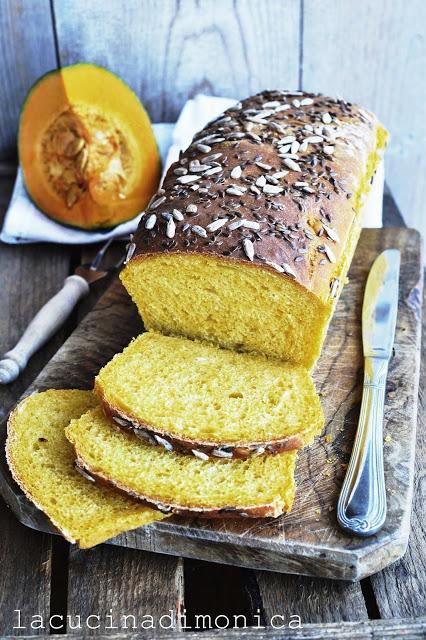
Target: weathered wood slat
107,580
351,53
171,53
313,599
401,589
25,560
27,51
397,629
29,276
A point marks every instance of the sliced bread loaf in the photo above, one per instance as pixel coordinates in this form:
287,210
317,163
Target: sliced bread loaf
199,398
250,239
42,462
258,487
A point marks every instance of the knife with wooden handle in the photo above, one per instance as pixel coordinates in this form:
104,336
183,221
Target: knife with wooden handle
361,509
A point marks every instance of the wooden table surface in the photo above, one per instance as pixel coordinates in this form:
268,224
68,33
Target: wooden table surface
43,575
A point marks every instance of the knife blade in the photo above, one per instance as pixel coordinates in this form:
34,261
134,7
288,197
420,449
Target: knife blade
380,305
361,508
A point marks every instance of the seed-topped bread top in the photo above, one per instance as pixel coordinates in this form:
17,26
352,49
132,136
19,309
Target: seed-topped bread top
275,181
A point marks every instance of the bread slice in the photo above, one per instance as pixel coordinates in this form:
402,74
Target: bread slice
42,462
199,398
173,482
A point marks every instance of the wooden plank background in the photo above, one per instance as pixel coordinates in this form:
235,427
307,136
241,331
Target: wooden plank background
371,51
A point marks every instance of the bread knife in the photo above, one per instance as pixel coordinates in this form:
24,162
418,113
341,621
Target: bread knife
361,508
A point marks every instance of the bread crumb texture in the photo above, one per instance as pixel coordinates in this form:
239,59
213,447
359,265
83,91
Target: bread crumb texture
234,305
195,390
42,462
177,479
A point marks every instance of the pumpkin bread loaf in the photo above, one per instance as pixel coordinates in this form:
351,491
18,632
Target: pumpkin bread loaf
208,401
176,483
42,462
248,243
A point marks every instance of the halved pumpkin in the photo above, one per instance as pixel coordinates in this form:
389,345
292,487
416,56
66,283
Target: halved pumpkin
86,148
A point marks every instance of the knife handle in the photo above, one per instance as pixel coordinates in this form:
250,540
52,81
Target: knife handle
361,508
42,327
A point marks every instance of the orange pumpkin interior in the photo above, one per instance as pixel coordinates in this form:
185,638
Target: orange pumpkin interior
87,149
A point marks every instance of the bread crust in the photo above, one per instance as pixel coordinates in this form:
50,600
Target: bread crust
11,442
295,225
198,448
255,511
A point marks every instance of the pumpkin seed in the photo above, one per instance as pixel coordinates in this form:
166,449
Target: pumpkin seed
72,195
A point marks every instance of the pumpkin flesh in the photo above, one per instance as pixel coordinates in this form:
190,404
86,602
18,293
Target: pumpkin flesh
87,149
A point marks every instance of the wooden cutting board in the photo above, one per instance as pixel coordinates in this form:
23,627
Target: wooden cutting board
306,541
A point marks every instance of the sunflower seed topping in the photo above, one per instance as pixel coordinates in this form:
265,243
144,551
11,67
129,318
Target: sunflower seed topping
279,174
313,139
329,253
262,165
163,442
196,167
235,225
157,202
334,287
236,172
131,247
331,233
178,215
120,421
216,224
212,171
200,231
171,228
291,164
222,453
294,147
234,191
204,148
200,454
279,154
248,248
188,179
180,171
250,224
272,189
288,270
150,221
212,158
287,140
275,266
144,436
83,473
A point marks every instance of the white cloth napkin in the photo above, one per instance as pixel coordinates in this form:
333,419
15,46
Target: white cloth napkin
25,223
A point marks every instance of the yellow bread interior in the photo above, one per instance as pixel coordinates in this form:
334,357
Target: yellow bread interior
178,479
202,393
42,462
235,305
245,306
